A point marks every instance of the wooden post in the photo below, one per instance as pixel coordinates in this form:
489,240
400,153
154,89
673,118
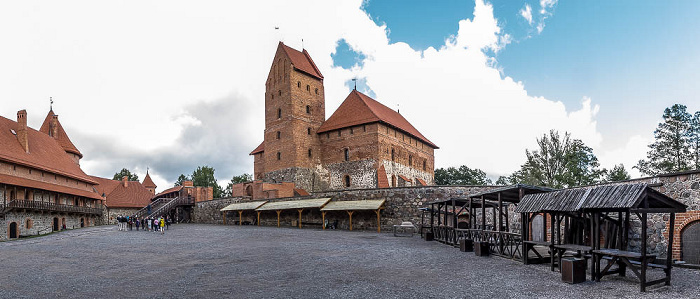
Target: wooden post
258,218
350,214
500,213
323,220
379,224
669,251
300,216
483,214
224,212
240,217
643,270
278,217
524,223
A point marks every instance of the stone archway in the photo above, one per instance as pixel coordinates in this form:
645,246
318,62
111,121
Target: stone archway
13,232
690,243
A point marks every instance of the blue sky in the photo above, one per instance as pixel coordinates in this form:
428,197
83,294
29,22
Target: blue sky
633,58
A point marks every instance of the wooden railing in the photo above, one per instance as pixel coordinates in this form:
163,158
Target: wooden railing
154,205
172,203
49,206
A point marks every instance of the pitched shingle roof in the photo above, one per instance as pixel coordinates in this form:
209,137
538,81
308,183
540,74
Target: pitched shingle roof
302,61
19,181
259,149
45,153
62,137
358,109
148,182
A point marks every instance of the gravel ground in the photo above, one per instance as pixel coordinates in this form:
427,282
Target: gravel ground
197,261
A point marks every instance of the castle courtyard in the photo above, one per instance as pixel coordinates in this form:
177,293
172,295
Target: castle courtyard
214,261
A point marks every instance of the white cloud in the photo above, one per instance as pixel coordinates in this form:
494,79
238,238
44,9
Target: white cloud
143,84
526,13
634,150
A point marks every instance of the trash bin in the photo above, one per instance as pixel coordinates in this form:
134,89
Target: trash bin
429,236
466,245
573,270
481,249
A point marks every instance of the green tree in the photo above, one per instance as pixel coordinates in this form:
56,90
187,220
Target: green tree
694,140
559,162
203,176
670,151
618,173
181,179
461,176
125,173
237,179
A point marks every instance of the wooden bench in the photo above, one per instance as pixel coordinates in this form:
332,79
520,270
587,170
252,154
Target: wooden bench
635,261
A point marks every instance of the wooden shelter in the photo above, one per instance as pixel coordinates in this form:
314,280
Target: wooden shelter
602,213
242,206
350,207
299,205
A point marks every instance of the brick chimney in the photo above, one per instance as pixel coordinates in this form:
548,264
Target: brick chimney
22,130
125,181
54,126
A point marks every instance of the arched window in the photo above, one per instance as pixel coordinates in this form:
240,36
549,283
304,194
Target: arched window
346,179
299,84
347,154
279,156
308,109
393,155
279,113
410,160
308,131
279,134
309,153
29,224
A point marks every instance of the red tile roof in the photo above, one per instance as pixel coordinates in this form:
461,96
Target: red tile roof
170,190
404,178
19,181
148,182
105,186
45,153
259,149
62,137
358,109
382,180
302,61
134,195
301,192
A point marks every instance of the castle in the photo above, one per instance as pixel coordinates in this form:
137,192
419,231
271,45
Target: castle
364,144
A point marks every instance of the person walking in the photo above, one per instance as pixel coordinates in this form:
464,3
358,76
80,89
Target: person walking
162,226
149,224
167,222
137,224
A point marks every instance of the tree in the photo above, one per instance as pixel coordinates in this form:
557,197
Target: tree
181,179
559,162
203,176
670,151
694,140
125,173
618,173
237,179
461,176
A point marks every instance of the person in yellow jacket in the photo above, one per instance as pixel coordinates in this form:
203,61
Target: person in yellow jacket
161,222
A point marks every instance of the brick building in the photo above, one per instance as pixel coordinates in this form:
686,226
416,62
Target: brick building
42,187
124,197
364,144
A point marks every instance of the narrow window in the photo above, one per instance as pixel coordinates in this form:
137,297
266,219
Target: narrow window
308,88
308,109
351,131
410,160
280,92
347,181
279,113
279,134
393,155
424,167
328,135
309,153
299,84
279,156
316,90
364,128
347,154
339,133
308,131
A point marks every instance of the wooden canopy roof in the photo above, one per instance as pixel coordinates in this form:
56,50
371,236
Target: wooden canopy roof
294,204
619,197
511,193
354,205
243,206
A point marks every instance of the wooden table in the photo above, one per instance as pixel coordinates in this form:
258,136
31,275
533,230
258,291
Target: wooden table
530,246
626,259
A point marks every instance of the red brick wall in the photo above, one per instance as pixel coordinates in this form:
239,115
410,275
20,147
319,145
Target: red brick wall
682,221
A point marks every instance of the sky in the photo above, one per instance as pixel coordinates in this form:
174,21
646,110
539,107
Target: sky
172,85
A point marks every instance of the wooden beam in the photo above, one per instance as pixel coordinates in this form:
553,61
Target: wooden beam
240,217
643,260
278,217
323,220
350,214
669,251
300,216
500,213
258,218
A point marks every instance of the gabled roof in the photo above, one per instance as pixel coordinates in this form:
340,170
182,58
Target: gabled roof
302,61
45,153
134,195
170,190
259,149
358,109
62,137
147,182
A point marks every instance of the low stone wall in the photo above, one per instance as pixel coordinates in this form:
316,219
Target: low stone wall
42,223
209,211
